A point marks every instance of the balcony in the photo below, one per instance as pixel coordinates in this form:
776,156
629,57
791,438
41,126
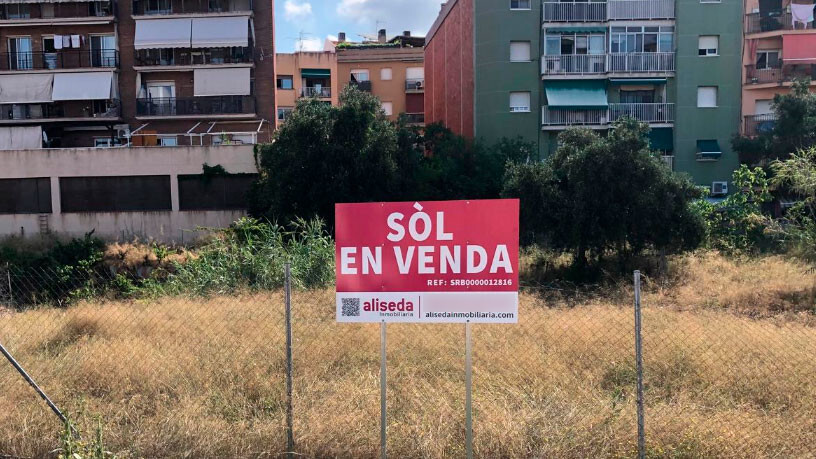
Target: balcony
60,111
415,85
654,113
756,24
597,64
758,124
189,7
59,12
361,85
319,92
414,118
778,74
555,11
196,106
189,57
63,59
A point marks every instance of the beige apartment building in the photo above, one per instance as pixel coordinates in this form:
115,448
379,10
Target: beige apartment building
393,70
304,74
780,46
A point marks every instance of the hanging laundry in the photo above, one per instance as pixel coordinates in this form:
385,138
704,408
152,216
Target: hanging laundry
75,41
801,13
66,41
57,41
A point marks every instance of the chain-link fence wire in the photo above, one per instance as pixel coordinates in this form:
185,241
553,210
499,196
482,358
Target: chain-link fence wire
175,375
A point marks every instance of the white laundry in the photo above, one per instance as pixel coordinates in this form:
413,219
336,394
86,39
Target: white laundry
801,13
57,41
75,41
66,41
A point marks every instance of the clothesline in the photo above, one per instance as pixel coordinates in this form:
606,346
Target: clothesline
68,41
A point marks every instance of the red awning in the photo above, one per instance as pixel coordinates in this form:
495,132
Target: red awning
799,49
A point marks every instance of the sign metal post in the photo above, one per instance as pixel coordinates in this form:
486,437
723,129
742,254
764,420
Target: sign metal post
382,389
468,393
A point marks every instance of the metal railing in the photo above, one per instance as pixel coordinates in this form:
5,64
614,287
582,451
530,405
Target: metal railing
141,7
778,74
319,92
361,85
758,124
641,62
668,160
574,11
415,84
574,64
646,112
414,118
204,56
657,113
754,23
63,59
56,110
205,105
555,11
640,9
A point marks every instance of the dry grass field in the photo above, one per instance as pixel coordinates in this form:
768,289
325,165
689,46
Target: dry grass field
729,355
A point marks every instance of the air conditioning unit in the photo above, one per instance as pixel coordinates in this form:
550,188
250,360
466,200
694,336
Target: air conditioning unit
719,188
420,84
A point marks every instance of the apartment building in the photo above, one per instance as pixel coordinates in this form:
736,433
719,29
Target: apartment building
780,46
393,70
533,68
138,72
304,74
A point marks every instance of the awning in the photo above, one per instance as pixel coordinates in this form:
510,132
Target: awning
26,89
316,73
661,139
21,138
622,81
162,33
798,49
220,32
708,149
576,94
83,86
576,29
221,82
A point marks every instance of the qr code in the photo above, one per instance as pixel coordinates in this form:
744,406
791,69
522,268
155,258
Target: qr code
351,307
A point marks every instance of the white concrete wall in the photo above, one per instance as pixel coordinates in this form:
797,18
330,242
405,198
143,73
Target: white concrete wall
174,226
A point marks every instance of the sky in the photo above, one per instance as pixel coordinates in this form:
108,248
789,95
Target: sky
305,24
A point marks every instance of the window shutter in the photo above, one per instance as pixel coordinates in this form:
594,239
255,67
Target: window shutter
519,51
519,101
709,42
707,96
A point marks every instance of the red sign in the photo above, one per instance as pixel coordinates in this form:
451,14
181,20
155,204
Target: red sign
435,261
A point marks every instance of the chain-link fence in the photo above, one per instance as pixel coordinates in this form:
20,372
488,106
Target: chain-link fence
178,375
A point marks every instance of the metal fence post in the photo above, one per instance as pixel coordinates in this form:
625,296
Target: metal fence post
383,379
290,434
8,277
639,363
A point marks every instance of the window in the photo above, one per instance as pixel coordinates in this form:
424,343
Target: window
103,51
388,108
102,107
706,96
386,74
284,113
708,45
16,11
168,141
637,96
519,51
763,107
47,10
768,59
571,44
100,8
647,39
161,90
519,101
20,53
285,82
519,4
102,142
359,75
49,52
158,7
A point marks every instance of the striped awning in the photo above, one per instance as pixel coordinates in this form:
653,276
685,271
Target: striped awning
576,29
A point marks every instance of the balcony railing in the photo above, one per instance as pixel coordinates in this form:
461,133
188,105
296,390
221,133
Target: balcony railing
59,11
655,113
779,74
192,106
574,11
361,85
555,11
63,59
668,160
204,56
574,64
414,118
321,93
641,62
415,84
56,110
758,124
162,7
640,9
756,24
588,64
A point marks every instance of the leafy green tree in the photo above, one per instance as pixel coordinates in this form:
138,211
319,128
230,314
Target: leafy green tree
793,130
798,175
597,194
